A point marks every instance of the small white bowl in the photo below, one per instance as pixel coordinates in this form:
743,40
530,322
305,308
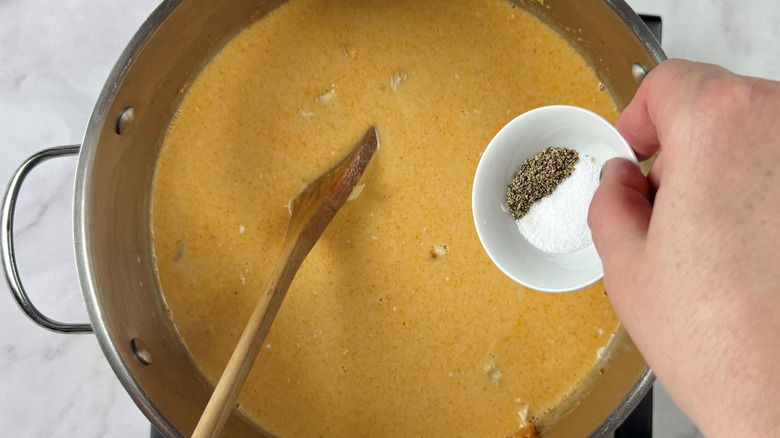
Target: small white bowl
525,136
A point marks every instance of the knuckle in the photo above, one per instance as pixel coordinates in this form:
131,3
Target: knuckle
724,98
765,96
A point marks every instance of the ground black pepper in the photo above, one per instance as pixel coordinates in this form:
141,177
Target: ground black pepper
538,177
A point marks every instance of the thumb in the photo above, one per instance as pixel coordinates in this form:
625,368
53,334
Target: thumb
619,213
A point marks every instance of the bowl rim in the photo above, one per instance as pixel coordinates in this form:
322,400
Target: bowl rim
478,189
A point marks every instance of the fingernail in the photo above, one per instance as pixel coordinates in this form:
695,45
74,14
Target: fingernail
603,166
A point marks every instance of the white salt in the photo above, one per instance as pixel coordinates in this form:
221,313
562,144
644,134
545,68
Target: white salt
558,223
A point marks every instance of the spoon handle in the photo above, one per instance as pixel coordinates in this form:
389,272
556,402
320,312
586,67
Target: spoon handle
225,395
311,211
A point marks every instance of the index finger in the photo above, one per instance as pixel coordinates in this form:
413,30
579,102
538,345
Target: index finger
659,101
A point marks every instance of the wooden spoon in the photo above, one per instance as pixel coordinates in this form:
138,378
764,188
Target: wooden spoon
311,211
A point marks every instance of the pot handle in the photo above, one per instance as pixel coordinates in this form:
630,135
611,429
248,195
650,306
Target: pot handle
7,242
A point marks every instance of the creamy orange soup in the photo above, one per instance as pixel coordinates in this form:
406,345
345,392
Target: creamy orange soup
384,332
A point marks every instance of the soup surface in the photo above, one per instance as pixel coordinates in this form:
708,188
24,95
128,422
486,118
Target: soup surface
397,324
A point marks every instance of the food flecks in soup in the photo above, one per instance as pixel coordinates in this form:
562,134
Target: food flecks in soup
397,324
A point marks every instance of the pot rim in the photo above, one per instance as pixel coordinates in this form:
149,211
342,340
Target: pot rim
84,260
639,28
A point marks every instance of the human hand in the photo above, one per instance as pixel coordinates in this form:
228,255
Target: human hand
691,253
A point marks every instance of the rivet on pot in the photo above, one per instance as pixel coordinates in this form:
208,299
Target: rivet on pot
141,352
638,71
125,119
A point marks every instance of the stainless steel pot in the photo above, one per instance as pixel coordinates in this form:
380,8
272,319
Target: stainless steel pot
113,199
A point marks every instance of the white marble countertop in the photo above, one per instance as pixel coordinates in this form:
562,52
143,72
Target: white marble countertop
54,58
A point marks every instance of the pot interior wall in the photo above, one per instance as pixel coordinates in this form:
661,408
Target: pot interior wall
120,284
113,201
